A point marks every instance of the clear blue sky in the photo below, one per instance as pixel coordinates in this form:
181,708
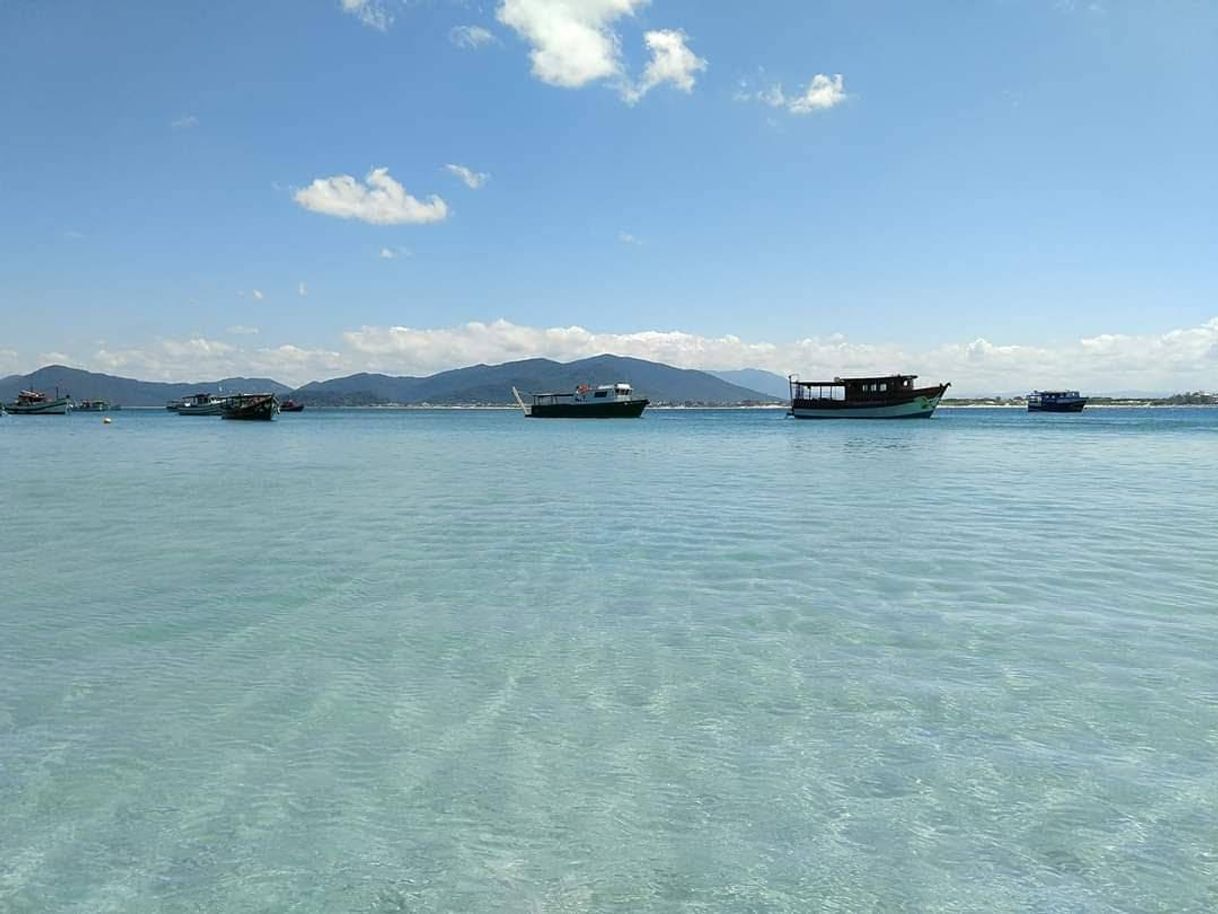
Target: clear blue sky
1024,173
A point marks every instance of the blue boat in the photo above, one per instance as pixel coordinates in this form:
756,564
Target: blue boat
1056,401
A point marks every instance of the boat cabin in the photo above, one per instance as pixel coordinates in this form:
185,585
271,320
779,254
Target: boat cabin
1049,395
855,390
603,393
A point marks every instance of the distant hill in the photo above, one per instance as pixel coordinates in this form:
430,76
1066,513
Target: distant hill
755,379
88,385
494,383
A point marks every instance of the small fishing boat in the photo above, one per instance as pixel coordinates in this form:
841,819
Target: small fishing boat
255,407
36,403
91,406
1056,401
608,401
885,397
291,406
199,405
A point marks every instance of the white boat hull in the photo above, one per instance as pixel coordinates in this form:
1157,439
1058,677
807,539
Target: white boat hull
58,407
917,408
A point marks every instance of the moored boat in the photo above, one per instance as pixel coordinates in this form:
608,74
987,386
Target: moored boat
291,406
256,407
607,401
1056,401
91,406
199,405
884,397
36,403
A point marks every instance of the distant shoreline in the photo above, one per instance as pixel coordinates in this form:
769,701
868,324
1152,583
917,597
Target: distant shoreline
511,408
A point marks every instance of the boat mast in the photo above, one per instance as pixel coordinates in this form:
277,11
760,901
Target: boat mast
515,393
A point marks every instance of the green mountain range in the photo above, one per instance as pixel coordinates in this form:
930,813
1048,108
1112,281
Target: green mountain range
492,384
89,385
477,384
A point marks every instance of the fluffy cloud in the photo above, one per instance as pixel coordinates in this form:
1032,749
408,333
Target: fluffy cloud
1171,361
1176,360
199,358
185,122
470,178
573,40
823,92
10,359
371,13
381,201
471,37
671,62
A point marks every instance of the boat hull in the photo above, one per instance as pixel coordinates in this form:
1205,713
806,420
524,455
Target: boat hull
58,407
1070,406
614,409
921,405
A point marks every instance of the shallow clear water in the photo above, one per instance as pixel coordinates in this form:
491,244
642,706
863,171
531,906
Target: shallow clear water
378,661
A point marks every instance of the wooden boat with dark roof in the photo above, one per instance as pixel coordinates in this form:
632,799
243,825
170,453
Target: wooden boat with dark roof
883,397
1056,401
250,407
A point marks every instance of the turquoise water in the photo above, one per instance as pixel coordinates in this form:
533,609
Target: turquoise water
378,661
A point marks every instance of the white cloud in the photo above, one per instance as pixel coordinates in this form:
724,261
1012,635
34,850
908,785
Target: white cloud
381,201
371,13
573,40
1185,359
671,62
471,37
185,122
302,290
1175,360
394,253
242,330
199,359
823,92
10,362
627,238
258,296
472,179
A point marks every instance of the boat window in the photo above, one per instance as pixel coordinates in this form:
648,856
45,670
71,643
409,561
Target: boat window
602,393
883,387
